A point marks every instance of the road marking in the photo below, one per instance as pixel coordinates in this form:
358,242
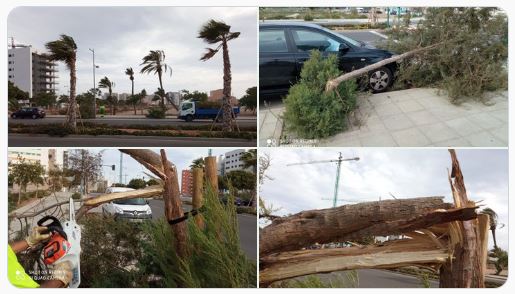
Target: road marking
379,34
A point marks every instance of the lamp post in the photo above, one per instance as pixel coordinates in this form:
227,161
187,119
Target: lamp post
94,85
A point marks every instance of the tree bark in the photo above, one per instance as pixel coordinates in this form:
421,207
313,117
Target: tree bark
211,173
197,199
226,104
327,225
332,84
72,111
466,268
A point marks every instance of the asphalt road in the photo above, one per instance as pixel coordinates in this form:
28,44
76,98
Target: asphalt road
247,226
30,140
371,278
124,121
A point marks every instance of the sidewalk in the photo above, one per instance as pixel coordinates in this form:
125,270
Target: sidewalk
417,118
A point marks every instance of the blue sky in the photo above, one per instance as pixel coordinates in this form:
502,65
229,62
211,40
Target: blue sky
405,173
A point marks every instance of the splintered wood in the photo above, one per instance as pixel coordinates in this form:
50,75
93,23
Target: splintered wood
451,237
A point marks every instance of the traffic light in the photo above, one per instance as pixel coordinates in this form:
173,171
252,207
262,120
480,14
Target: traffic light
112,167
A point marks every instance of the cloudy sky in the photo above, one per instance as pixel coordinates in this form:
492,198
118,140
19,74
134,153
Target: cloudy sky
402,172
121,36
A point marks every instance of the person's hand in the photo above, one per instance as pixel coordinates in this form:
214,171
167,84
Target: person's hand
37,235
62,272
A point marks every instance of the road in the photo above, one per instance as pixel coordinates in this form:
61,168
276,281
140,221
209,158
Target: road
30,140
125,121
247,227
371,278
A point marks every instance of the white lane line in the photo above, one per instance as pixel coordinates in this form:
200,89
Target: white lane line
379,34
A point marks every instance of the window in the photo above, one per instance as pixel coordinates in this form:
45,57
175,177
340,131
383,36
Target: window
186,106
272,41
306,40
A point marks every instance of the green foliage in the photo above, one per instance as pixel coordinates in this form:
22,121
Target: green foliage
311,112
61,131
84,165
76,195
501,257
156,112
215,258
308,17
471,57
152,182
195,96
199,162
239,179
249,100
85,101
13,92
249,159
110,251
137,184
44,99
118,185
24,173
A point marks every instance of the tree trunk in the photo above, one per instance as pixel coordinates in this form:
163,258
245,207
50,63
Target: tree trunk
494,238
326,225
466,268
197,199
159,73
226,100
394,254
211,173
72,111
333,84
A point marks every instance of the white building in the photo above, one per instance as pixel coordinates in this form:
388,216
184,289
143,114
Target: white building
175,97
48,158
232,161
31,71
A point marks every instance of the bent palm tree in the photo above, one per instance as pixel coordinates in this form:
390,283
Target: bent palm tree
154,62
493,223
105,83
217,32
130,72
65,50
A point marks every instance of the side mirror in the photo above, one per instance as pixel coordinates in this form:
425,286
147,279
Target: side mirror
343,48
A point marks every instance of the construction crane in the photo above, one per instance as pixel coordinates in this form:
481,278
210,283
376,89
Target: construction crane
338,168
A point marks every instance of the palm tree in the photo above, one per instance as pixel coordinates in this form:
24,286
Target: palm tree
64,49
130,72
217,32
105,83
249,159
154,62
199,162
493,222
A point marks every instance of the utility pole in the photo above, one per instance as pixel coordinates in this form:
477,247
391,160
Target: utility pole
121,168
94,85
338,168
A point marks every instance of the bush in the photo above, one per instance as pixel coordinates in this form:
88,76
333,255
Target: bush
308,17
77,196
310,111
59,131
472,56
156,112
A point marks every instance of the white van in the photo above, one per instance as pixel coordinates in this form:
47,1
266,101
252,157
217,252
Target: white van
135,209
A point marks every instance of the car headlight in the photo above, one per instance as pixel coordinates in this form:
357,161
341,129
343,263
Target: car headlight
149,211
118,209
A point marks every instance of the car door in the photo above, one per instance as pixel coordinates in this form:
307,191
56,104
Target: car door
307,39
277,69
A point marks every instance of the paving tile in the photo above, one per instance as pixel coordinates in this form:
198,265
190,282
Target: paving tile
501,114
486,120
457,142
409,106
387,109
411,137
422,117
439,132
485,139
397,122
463,126
378,139
501,133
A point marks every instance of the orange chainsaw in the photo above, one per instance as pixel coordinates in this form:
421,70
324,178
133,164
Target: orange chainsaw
57,246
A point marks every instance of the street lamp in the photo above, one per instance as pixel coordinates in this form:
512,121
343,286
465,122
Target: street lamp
94,85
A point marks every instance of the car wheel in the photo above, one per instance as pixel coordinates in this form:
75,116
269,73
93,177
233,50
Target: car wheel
14,116
34,116
189,118
380,79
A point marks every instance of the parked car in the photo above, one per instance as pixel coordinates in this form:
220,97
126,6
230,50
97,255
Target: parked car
31,112
135,209
284,47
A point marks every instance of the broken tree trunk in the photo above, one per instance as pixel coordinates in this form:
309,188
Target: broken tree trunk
211,174
466,268
197,199
332,84
161,167
90,203
394,254
327,225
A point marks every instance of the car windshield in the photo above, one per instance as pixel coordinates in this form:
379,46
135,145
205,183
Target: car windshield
345,38
186,106
133,201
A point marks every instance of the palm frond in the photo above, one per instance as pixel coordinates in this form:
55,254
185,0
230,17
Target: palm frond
213,31
209,54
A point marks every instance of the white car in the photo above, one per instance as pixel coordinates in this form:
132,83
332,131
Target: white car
135,209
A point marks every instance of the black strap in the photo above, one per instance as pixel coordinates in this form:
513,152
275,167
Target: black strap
192,212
